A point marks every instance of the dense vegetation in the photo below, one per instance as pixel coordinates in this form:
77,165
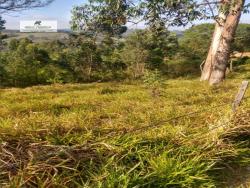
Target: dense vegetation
82,58
85,58
198,38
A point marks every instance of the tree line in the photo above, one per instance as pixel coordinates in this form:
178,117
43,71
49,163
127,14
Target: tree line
85,58
82,58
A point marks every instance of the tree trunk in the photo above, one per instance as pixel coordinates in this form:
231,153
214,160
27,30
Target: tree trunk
219,53
207,69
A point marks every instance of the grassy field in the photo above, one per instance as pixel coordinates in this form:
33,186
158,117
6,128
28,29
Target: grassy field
124,135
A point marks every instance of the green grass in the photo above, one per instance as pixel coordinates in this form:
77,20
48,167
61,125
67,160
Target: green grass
92,135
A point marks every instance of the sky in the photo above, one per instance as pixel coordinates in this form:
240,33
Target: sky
60,10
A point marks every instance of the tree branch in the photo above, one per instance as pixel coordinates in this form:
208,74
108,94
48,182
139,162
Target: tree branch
19,5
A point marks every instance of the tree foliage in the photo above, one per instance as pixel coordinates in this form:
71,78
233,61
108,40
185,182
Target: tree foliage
83,59
2,22
112,16
196,40
26,63
145,49
242,39
101,16
19,5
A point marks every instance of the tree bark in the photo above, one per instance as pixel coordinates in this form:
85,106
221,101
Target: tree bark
216,40
219,53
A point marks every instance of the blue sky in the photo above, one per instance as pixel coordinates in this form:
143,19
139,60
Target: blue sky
59,10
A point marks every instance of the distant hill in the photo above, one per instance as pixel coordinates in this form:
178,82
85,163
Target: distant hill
62,34
37,37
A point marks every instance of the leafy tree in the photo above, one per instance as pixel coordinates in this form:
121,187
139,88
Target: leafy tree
2,71
110,16
13,44
83,57
21,64
196,40
146,49
18,5
161,44
27,63
3,74
242,39
101,16
135,55
112,66
107,15
2,22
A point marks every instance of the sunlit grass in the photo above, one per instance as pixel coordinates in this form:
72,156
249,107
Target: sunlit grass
90,135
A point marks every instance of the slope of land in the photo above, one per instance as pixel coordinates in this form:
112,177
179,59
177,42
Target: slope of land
36,37
125,135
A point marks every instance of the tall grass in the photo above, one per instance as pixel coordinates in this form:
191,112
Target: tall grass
92,135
